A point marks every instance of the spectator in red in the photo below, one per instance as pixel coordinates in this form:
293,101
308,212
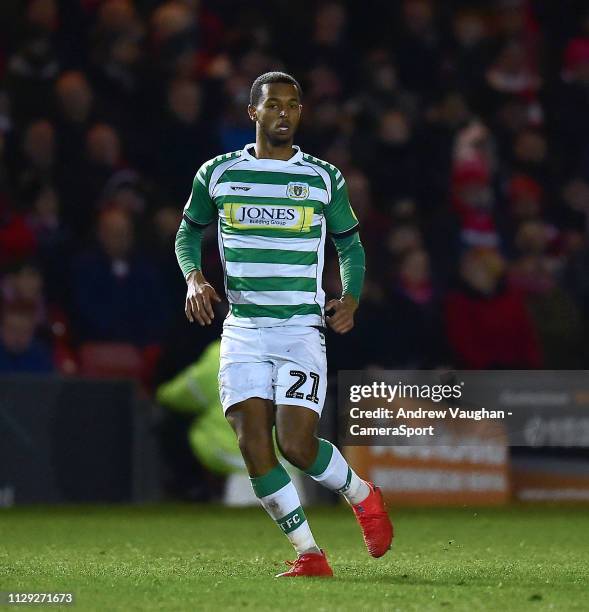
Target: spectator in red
471,192
473,202
512,72
525,198
17,240
487,323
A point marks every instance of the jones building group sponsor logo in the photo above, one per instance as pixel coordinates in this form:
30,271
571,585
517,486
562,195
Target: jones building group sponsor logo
297,191
252,216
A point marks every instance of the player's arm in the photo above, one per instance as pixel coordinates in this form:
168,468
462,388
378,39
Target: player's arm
198,213
342,226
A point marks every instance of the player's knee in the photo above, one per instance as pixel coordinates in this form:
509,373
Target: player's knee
297,451
255,447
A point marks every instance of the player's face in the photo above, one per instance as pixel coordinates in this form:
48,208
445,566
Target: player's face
278,112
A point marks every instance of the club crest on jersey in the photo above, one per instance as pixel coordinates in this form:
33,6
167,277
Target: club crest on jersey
297,191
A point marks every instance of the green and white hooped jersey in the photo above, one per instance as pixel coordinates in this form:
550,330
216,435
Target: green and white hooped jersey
273,217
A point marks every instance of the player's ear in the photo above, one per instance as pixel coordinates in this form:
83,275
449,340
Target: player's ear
251,111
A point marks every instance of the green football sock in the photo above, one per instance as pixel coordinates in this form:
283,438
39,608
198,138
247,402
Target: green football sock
332,471
280,499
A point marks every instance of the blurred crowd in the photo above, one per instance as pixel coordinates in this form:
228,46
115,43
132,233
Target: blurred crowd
462,128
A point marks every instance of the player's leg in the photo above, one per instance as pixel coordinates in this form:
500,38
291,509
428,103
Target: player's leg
300,394
295,435
320,459
301,387
246,391
252,420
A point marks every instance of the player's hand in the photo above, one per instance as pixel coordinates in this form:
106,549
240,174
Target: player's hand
342,320
199,299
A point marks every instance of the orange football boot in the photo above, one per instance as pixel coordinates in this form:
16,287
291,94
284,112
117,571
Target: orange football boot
374,521
309,564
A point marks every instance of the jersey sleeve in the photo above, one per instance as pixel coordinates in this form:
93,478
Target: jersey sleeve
188,247
352,264
340,218
200,209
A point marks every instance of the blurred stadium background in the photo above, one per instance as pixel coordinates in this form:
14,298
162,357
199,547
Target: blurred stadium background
463,130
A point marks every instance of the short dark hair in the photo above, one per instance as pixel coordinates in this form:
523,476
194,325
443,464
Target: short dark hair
271,77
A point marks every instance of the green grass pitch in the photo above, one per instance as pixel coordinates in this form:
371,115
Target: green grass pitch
211,558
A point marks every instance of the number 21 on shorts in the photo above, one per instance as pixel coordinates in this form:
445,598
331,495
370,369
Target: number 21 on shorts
294,393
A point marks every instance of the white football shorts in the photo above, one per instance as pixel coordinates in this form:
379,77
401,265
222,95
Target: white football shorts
286,365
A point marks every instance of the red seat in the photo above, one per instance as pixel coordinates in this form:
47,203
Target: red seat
111,360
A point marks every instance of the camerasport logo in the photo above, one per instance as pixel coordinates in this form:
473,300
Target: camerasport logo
255,216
